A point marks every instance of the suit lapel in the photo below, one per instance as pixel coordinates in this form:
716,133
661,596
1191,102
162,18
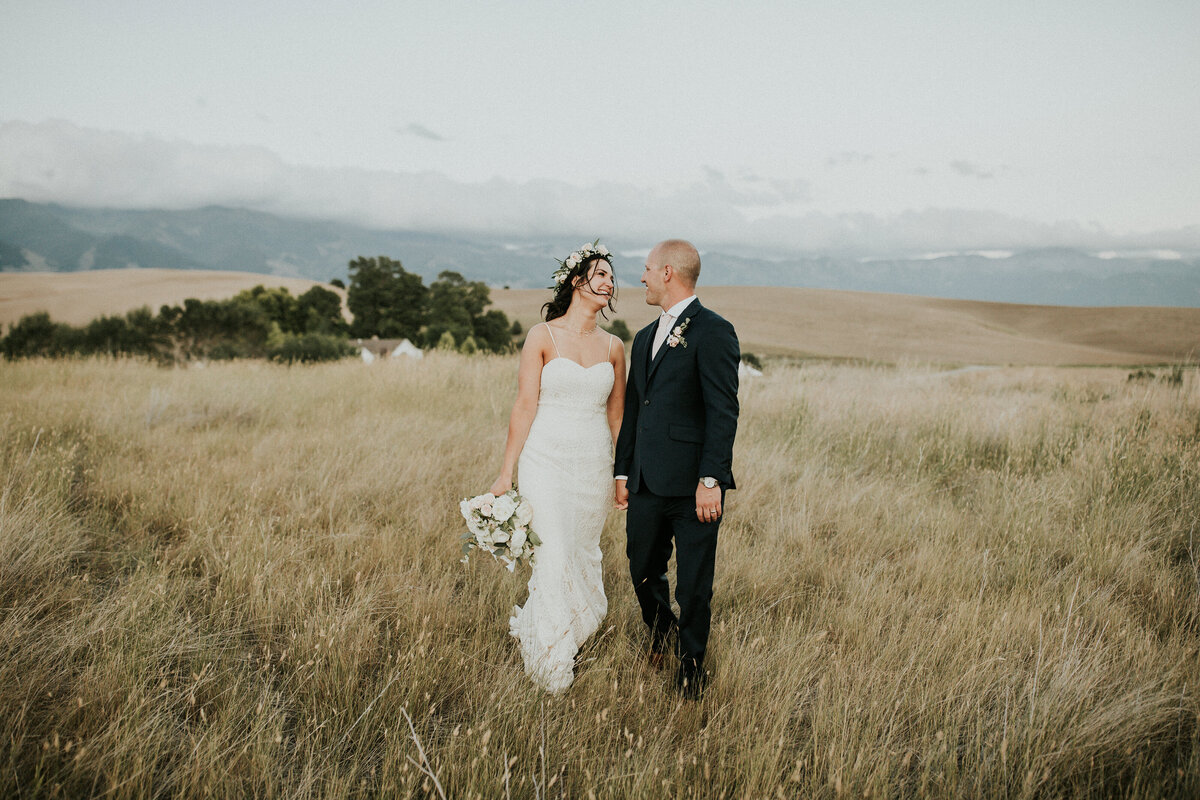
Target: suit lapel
689,312
640,361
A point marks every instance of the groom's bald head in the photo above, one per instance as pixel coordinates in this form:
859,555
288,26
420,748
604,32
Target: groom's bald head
683,258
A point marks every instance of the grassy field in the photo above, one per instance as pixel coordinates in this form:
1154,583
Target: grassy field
244,581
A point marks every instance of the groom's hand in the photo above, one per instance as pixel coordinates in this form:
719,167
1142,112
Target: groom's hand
621,496
708,503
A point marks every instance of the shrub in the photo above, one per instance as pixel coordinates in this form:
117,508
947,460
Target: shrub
37,335
309,348
619,329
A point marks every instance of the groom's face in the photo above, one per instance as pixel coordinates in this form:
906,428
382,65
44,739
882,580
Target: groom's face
654,278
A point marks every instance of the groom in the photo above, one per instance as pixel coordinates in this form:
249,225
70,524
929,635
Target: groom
674,455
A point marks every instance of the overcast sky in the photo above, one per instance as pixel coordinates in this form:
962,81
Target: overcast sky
774,124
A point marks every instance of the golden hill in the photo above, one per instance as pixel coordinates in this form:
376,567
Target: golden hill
79,297
776,321
885,327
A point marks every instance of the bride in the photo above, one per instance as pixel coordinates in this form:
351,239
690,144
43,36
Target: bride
570,399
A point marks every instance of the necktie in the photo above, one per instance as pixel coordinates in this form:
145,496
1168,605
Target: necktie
660,336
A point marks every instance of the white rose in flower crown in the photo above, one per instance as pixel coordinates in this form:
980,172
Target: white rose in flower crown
602,250
503,508
524,513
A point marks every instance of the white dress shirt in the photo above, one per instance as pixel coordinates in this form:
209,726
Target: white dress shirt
666,321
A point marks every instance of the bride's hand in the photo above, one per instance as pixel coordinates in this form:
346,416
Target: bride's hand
502,485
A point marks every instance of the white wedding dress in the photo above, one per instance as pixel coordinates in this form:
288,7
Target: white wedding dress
565,471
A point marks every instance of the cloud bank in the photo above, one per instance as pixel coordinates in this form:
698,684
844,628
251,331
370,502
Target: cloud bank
63,163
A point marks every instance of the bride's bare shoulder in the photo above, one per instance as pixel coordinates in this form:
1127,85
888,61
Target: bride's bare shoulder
538,336
539,342
616,345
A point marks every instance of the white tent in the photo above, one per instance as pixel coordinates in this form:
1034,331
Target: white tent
407,348
747,371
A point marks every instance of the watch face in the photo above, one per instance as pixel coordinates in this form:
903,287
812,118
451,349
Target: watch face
710,483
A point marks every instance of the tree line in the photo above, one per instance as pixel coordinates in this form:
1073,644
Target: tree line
256,323
389,302
384,299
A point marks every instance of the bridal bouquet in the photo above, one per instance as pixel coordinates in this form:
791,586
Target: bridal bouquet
500,526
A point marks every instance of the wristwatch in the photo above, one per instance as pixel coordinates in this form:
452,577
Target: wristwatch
709,482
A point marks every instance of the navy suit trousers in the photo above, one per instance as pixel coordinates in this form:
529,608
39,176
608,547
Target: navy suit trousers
654,524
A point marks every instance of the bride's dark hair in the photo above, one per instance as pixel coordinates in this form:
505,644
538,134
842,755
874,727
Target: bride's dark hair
561,301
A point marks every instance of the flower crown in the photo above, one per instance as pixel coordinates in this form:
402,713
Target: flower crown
588,250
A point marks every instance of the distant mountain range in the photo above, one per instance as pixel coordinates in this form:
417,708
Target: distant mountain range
39,237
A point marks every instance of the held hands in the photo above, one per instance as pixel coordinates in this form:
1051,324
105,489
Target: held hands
708,503
621,496
502,485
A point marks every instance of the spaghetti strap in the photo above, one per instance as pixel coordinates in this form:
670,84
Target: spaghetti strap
610,338
552,341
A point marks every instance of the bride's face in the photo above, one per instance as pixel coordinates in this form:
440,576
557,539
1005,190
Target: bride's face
599,284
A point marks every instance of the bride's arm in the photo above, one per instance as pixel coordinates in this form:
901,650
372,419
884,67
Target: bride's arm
616,398
529,383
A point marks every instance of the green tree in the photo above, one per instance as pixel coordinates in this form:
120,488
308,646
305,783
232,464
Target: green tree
151,335
385,299
457,305
619,329
446,342
320,311
220,329
492,331
468,347
37,335
453,304
278,304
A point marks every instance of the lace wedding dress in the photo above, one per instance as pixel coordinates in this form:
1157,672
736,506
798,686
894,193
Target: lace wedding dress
565,471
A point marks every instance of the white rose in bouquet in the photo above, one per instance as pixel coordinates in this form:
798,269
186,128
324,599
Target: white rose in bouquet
503,508
524,513
500,527
517,540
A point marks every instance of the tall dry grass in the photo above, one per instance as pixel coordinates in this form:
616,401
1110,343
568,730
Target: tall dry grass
238,581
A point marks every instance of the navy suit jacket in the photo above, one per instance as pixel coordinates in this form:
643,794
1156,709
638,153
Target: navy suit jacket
681,408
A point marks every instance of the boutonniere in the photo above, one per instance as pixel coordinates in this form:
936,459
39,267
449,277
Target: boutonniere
676,336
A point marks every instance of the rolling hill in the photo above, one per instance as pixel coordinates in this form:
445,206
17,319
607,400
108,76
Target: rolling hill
45,237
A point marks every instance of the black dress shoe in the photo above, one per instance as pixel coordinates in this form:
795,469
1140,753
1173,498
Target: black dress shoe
691,684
